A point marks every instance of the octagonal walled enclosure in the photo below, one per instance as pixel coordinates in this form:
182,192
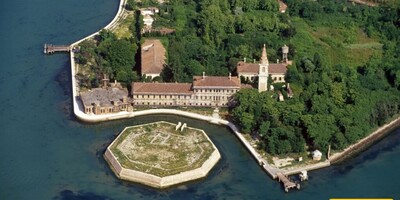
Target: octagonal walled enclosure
160,155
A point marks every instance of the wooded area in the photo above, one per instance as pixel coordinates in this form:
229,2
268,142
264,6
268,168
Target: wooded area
333,104
345,76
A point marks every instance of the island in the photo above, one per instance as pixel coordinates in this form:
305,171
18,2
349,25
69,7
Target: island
302,87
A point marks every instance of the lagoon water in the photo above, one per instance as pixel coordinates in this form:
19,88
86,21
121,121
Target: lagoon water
45,153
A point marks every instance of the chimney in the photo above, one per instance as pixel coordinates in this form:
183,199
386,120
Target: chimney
277,60
244,59
230,76
204,75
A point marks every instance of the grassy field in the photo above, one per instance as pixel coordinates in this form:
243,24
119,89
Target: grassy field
122,30
158,149
339,43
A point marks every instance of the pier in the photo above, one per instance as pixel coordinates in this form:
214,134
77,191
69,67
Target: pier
50,49
287,183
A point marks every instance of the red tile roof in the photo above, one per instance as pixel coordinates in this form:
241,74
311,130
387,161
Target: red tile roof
247,67
216,82
279,68
153,57
274,68
161,88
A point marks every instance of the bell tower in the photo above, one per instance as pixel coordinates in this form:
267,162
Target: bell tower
263,71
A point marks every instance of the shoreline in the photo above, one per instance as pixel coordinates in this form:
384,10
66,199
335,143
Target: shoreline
367,141
272,171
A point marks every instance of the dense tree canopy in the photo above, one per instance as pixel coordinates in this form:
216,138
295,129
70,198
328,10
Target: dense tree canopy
212,36
333,105
107,55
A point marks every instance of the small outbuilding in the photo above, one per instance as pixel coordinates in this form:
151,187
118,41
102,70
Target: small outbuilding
316,155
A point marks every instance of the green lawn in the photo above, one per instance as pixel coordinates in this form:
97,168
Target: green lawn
338,43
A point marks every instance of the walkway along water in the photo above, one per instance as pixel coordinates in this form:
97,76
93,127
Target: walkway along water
50,49
272,171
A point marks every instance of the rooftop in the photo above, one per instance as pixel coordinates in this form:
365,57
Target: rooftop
216,81
153,57
103,96
161,88
282,6
274,68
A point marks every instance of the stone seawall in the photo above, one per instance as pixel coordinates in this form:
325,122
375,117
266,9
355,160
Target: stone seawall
118,15
156,181
365,142
77,107
161,182
261,161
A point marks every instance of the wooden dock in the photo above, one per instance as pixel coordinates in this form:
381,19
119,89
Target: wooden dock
50,49
287,184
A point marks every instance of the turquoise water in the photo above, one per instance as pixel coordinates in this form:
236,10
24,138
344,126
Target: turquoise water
45,153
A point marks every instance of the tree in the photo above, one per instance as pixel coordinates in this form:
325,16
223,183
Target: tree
130,4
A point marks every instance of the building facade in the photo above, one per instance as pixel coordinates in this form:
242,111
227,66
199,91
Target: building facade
264,69
107,99
205,91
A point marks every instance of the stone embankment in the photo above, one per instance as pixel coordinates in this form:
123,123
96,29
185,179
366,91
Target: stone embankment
365,142
156,181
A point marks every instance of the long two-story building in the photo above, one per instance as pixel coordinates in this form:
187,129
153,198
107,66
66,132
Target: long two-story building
204,91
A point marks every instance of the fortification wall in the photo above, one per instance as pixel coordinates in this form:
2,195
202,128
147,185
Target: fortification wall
161,182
